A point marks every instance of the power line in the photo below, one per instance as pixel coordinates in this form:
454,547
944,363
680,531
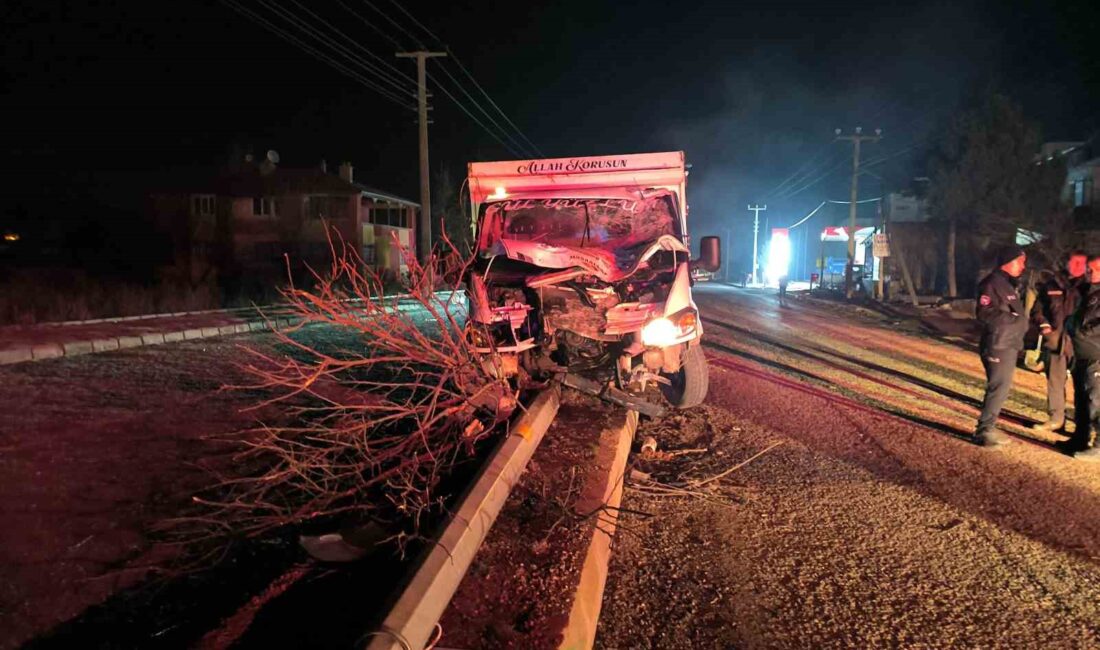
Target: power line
877,198
381,61
442,66
316,53
485,112
504,115
458,62
804,169
296,20
811,183
398,25
806,218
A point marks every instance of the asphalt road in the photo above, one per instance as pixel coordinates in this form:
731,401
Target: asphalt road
873,524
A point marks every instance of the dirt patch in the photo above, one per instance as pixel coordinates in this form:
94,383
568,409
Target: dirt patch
518,591
95,449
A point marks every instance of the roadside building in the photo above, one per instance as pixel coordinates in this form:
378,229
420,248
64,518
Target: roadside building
247,224
1082,176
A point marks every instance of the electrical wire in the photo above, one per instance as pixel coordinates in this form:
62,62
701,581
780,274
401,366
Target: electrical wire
806,169
504,131
297,21
420,44
811,183
382,61
316,53
465,71
806,218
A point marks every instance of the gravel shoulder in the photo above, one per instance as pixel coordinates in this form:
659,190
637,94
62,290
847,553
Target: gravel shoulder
860,530
94,449
819,552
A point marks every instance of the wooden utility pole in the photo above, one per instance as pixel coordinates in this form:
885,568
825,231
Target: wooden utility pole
856,138
881,285
756,209
424,227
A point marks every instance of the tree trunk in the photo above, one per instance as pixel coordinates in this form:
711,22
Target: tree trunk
952,285
900,254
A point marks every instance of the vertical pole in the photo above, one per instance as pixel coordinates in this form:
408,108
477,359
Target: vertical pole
881,261
424,230
856,139
848,271
821,271
729,241
755,237
424,226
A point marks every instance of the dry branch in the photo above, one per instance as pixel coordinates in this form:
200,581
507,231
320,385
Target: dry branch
377,420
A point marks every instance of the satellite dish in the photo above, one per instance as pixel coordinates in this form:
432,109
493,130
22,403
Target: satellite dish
273,155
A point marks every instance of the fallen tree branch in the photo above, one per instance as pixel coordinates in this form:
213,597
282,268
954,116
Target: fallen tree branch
700,483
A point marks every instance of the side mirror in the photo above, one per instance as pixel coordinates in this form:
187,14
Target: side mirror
710,255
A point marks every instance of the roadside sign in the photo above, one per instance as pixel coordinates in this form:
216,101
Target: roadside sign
880,245
835,265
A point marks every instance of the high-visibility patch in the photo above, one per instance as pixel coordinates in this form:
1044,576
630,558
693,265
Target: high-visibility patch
986,300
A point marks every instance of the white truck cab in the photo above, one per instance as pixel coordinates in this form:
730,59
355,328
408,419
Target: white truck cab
583,270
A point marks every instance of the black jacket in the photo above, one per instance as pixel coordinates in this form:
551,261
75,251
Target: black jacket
1084,327
1056,301
1001,312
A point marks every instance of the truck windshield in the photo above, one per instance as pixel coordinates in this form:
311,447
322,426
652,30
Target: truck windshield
610,224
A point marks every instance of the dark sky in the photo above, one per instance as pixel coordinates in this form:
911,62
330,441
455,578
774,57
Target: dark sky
751,91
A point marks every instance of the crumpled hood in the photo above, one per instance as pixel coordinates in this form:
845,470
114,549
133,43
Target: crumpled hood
604,264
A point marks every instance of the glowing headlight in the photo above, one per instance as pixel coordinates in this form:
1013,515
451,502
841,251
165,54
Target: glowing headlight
659,332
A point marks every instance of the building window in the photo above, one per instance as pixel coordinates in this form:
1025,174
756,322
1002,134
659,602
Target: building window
390,216
263,206
1082,193
368,254
202,205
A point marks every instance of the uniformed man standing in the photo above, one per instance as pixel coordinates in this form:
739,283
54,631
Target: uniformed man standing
1004,324
1084,328
1057,300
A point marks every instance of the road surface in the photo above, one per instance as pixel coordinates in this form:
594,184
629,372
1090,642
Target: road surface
872,524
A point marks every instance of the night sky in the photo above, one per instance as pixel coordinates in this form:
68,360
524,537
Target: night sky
97,95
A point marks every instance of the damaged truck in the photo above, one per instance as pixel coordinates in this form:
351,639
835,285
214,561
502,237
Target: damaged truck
583,273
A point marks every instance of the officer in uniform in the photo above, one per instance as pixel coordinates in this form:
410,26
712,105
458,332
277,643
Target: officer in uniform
1000,312
1057,300
1084,328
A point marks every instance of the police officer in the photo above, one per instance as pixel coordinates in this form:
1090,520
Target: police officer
1084,328
1057,300
1004,324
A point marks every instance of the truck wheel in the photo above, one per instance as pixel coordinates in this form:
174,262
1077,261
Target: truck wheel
689,385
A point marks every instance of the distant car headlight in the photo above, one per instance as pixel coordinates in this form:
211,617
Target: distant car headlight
659,332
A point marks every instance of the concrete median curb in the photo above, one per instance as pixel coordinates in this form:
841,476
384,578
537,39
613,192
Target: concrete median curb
42,351
412,619
604,490
68,348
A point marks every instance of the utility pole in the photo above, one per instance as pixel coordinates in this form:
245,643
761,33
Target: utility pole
856,138
756,209
424,228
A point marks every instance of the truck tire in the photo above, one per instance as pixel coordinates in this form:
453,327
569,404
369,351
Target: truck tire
689,384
